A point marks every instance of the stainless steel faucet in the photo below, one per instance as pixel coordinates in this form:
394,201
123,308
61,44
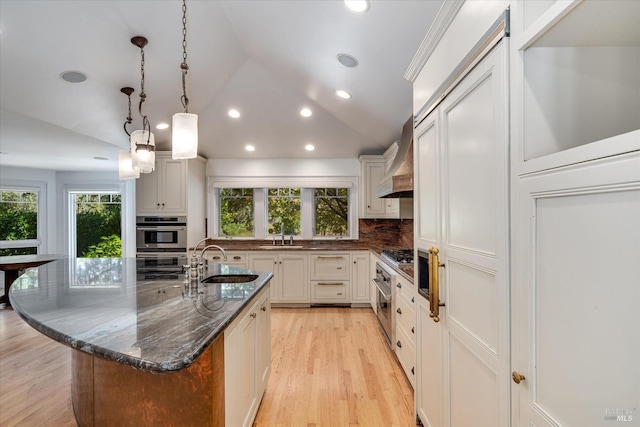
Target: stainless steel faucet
224,254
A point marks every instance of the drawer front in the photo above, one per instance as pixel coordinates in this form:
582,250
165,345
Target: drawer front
329,292
406,353
404,288
405,317
232,257
333,266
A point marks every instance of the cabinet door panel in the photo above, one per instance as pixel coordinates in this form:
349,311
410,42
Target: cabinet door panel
174,186
147,192
268,263
375,206
577,320
294,280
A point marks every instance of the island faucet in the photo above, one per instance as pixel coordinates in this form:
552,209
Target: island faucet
224,254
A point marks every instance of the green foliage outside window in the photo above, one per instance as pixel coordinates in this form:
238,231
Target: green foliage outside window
332,211
18,220
236,212
284,209
98,225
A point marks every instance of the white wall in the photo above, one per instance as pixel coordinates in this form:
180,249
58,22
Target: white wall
283,167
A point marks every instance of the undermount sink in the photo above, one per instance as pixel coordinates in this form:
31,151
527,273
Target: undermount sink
230,278
275,247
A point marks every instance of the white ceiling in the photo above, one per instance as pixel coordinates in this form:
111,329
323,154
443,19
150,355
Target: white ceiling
266,58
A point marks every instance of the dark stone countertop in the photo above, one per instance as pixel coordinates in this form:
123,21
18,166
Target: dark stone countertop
97,305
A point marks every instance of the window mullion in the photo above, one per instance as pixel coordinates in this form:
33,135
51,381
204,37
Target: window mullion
307,222
260,213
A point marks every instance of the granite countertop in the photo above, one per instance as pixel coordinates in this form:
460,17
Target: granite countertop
97,305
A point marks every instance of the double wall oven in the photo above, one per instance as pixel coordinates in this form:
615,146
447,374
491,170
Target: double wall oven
161,246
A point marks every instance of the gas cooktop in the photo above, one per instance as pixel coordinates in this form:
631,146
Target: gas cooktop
399,256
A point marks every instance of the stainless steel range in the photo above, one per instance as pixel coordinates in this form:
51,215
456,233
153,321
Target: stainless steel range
398,257
385,281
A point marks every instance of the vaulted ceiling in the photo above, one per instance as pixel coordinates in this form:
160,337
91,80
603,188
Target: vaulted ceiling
268,59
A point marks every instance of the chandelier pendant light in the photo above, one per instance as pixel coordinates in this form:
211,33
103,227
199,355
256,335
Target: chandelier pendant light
125,161
143,145
184,127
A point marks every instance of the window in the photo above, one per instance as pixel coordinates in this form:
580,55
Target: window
236,212
19,221
96,224
331,212
310,208
284,211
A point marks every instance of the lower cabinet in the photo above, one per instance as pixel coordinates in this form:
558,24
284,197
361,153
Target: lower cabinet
405,344
247,353
329,292
290,283
360,278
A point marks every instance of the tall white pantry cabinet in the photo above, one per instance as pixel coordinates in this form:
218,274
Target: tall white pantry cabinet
527,181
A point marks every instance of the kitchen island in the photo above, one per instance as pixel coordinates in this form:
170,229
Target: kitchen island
144,352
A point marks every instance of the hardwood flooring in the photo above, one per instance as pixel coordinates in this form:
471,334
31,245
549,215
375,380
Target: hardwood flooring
330,367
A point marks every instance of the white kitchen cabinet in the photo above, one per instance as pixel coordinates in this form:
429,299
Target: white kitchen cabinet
462,182
372,170
290,283
175,187
405,345
163,191
234,259
247,361
330,273
360,279
576,190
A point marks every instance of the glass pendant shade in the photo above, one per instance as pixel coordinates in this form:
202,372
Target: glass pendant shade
143,159
125,166
184,136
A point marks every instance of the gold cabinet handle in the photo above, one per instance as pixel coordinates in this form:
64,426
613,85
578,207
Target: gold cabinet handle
517,377
434,283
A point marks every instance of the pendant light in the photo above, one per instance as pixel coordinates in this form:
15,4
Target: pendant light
125,161
143,145
184,128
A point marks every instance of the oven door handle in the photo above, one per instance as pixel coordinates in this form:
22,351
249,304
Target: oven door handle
382,291
169,228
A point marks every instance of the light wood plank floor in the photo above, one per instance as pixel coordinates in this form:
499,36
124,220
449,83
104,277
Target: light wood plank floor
330,367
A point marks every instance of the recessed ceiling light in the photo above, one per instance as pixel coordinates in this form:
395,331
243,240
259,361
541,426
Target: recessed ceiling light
250,148
347,60
100,158
305,112
162,126
357,6
234,113
343,94
73,76
309,147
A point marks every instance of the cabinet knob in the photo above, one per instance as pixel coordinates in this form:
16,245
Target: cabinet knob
158,204
275,262
253,315
263,308
163,204
399,311
399,285
339,293
237,257
413,370
413,329
354,262
517,377
399,344
339,268
413,299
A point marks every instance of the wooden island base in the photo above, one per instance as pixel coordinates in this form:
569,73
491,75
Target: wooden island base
109,393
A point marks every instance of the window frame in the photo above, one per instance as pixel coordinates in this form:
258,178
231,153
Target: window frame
260,203
40,242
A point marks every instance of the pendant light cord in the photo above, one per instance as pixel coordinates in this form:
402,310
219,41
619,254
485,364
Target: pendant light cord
143,97
184,67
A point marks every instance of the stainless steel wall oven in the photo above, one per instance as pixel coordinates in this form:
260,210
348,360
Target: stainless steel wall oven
165,233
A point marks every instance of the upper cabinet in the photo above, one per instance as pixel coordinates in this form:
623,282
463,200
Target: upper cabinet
372,170
577,91
163,191
175,187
